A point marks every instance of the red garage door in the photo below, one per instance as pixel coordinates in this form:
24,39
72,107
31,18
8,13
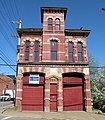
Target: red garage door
73,96
32,98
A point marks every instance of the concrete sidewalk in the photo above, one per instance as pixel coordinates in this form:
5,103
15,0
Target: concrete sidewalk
53,115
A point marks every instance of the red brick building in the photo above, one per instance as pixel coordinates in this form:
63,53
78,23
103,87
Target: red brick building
53,70
6,83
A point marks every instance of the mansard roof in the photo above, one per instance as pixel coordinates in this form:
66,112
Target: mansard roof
39,31
53,9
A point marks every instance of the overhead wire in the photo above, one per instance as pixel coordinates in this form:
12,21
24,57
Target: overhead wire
8,25
16,8
4,18
7,64
7,38
7,17
5,55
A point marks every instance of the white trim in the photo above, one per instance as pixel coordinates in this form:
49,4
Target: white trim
60,98
18,98
21,54
19,90
61,52
88,99
47,90
87,90
46,98
60,90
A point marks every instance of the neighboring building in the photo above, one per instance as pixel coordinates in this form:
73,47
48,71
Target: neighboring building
6,83
53,70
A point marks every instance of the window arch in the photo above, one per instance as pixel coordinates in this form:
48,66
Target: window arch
36,51
54,49
27,48
57,24
50,23
80,54
70,51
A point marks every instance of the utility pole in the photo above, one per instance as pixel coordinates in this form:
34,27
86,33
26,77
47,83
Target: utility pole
19,23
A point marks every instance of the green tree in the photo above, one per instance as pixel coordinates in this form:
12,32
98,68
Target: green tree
97,77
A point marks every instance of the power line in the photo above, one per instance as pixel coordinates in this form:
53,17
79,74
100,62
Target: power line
9,42
3,54
7,64
9,26
12,10
16,8
7,11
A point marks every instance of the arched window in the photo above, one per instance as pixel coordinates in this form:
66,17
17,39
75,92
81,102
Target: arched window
57,24
80,56
27,48
54,50
50,24
70,51
36,51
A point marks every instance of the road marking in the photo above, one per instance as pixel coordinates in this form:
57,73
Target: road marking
6,118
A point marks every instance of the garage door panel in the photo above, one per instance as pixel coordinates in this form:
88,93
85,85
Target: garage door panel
32,107
73,97
32,98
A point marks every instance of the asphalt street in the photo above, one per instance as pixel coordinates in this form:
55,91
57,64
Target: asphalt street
19,118
3,104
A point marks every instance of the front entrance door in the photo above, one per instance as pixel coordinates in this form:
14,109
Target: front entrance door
53,97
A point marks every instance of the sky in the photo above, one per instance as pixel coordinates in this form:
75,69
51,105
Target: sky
81,13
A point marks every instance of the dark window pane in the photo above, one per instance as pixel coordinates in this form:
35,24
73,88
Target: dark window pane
70,47
57,21
36,46
70,51
27,47
57,27
50,27
36,51
50,24
53,50
79,47
53,45
57,24
53,55
80,57
36,56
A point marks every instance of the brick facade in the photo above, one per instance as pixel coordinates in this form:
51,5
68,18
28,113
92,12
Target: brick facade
6,83
53,69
